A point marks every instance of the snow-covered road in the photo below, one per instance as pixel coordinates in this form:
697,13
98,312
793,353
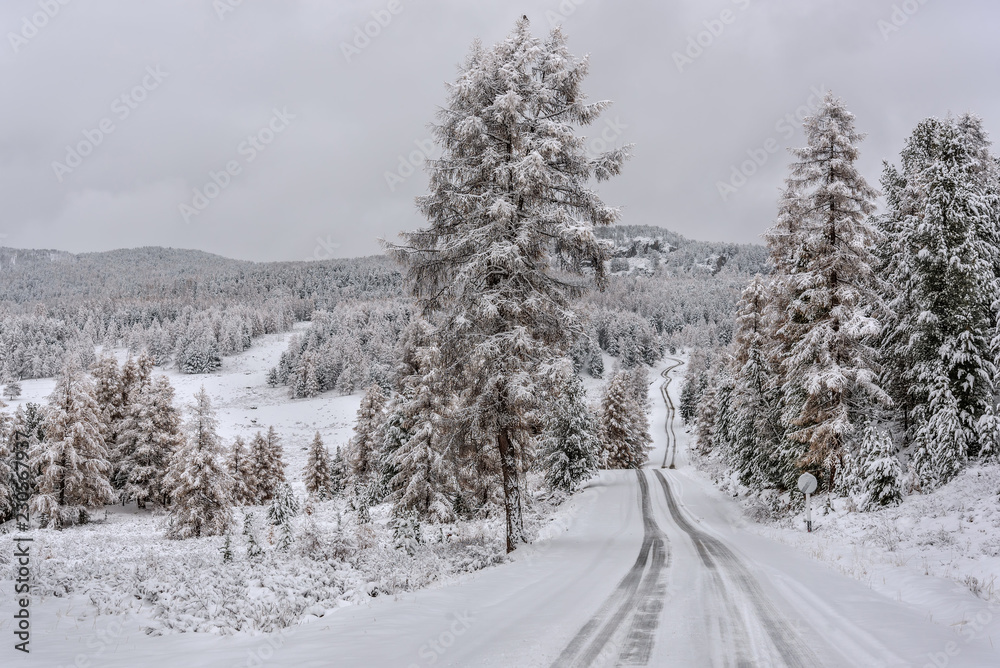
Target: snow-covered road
648,567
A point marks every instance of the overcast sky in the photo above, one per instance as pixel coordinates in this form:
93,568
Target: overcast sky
183,85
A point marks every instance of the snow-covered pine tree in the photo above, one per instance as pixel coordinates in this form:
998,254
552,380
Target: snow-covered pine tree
639,375
354,369
943,291
755,403
72,461
317,473
108,395
364,448
12,390
508,194
238,463
624,425
277,456
266,465
197,480
595,365
338,473
24,435
572,441
254,550
117,390
306,384
696,381
822,251
406,533
629,354
705,418
227,550
151,433
724,430
284,506
880,475
198,354
425,478
394,434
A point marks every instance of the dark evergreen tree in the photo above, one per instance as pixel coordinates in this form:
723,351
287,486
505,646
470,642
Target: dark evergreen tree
569,452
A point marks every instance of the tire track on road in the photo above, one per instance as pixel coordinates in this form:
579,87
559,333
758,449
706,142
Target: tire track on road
637,595
719,559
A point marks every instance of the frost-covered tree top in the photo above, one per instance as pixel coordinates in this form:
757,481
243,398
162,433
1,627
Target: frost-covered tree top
511,184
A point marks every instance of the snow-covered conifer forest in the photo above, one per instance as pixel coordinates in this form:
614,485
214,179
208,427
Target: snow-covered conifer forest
534,421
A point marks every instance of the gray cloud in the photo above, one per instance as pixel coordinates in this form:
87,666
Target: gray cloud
318,188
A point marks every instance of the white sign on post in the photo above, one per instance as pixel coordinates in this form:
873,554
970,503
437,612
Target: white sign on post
807,485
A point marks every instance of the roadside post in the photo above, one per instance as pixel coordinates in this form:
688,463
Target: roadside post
807,485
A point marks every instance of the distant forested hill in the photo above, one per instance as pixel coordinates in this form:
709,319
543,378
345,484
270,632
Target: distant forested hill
183,306
190,308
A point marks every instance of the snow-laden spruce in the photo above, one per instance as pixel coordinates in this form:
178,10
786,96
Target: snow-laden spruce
364,449
197,480
72,461
755,402
624,424
240,468
317,473
509,207
425,477
149,436
266,467
941,265
571,445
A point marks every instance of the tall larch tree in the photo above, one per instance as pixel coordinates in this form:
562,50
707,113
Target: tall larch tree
829,366
197,480
72,460
509,205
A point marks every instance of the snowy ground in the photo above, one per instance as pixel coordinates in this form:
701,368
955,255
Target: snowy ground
707,588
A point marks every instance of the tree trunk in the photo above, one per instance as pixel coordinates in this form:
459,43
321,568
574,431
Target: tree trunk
511,492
